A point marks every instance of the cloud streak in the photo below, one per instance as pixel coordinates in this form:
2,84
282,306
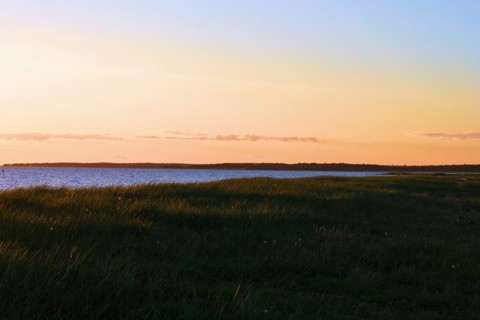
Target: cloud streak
188,134
175,135
48,137
248,138
148,137
448,136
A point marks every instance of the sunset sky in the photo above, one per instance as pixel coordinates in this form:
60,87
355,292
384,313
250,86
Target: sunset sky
385,82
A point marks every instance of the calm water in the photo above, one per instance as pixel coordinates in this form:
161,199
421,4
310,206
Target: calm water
15,177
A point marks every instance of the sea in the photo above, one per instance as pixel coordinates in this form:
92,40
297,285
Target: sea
19,177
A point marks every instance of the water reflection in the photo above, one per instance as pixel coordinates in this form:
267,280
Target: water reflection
14,177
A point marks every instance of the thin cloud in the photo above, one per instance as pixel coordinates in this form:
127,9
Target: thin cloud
187,134
248,138
448,136
47,137
148,137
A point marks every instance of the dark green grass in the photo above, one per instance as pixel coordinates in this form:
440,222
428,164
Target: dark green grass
321,248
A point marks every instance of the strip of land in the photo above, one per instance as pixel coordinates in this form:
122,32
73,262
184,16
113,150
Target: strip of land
396,247
265,166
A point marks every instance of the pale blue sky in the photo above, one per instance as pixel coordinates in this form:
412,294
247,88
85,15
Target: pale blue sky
417,33
384,81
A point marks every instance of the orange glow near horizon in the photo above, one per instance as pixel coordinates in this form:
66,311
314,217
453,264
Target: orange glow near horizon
78,97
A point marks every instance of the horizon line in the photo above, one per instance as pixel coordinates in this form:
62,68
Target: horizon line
71,163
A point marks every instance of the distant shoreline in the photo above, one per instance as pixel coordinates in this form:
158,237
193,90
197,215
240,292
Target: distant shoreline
265,166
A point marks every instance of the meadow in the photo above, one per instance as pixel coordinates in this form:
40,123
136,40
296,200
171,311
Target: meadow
389,247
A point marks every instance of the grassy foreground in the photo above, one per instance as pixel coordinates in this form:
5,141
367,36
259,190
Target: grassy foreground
320,248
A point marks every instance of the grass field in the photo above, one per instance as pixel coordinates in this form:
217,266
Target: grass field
396,247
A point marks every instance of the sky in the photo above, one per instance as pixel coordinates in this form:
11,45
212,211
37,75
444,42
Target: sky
382,82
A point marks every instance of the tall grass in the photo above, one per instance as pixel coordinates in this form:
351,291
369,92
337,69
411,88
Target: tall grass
317,248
